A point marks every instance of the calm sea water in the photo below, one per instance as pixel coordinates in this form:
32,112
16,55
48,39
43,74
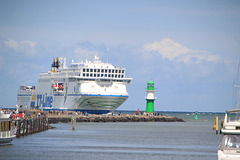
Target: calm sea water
193,139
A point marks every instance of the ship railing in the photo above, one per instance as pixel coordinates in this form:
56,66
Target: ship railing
104,93
6,134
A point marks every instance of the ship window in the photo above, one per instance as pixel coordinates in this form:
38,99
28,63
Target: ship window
112,71
109,71
122,76
87,74
83,69
105,70
231,142
94,75
115,76
109,75
118,76
72,79
83,74
101,75
122,71
105,75
91,70
98,75
87,70
98,70
91,75
95,70
116,71
102,70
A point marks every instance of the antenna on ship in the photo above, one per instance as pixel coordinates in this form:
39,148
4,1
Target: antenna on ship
64,63
107,54
96,58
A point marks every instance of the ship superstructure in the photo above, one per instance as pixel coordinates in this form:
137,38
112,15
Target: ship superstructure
93,87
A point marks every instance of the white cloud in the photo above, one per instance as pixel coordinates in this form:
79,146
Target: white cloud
25,47
198,57
169,49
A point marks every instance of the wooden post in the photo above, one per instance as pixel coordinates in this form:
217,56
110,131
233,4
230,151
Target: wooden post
216,124
37,124
73,122
23,129
18,128
26,123
32,126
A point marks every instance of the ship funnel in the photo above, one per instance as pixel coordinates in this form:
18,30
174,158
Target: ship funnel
56,63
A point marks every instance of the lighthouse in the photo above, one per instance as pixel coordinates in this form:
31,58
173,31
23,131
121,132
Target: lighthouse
150,97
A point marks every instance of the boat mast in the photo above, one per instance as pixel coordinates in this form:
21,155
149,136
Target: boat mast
236,84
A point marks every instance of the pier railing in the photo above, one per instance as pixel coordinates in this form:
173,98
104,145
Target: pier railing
31,125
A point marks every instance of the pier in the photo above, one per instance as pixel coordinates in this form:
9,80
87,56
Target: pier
27,126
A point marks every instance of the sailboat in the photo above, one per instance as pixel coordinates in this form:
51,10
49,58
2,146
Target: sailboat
229,149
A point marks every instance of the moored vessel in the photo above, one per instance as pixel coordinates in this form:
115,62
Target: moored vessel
7,127
92,87
231,124
229,149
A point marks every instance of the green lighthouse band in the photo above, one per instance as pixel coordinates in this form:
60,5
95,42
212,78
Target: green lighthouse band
150,102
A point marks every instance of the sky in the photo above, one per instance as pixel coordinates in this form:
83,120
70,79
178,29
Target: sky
188,48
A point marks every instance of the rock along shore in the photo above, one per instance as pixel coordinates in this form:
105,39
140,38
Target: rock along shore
113,118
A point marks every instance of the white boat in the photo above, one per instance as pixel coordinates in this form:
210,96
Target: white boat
92,87
229,149
231,124
7,128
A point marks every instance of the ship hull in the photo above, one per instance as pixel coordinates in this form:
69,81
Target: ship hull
98,104
4,141
90,103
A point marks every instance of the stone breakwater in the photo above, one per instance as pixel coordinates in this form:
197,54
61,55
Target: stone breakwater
112,118
66,117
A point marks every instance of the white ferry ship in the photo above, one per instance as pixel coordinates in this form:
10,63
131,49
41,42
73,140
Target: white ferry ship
92,87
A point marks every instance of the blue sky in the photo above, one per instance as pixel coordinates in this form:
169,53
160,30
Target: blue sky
188,48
